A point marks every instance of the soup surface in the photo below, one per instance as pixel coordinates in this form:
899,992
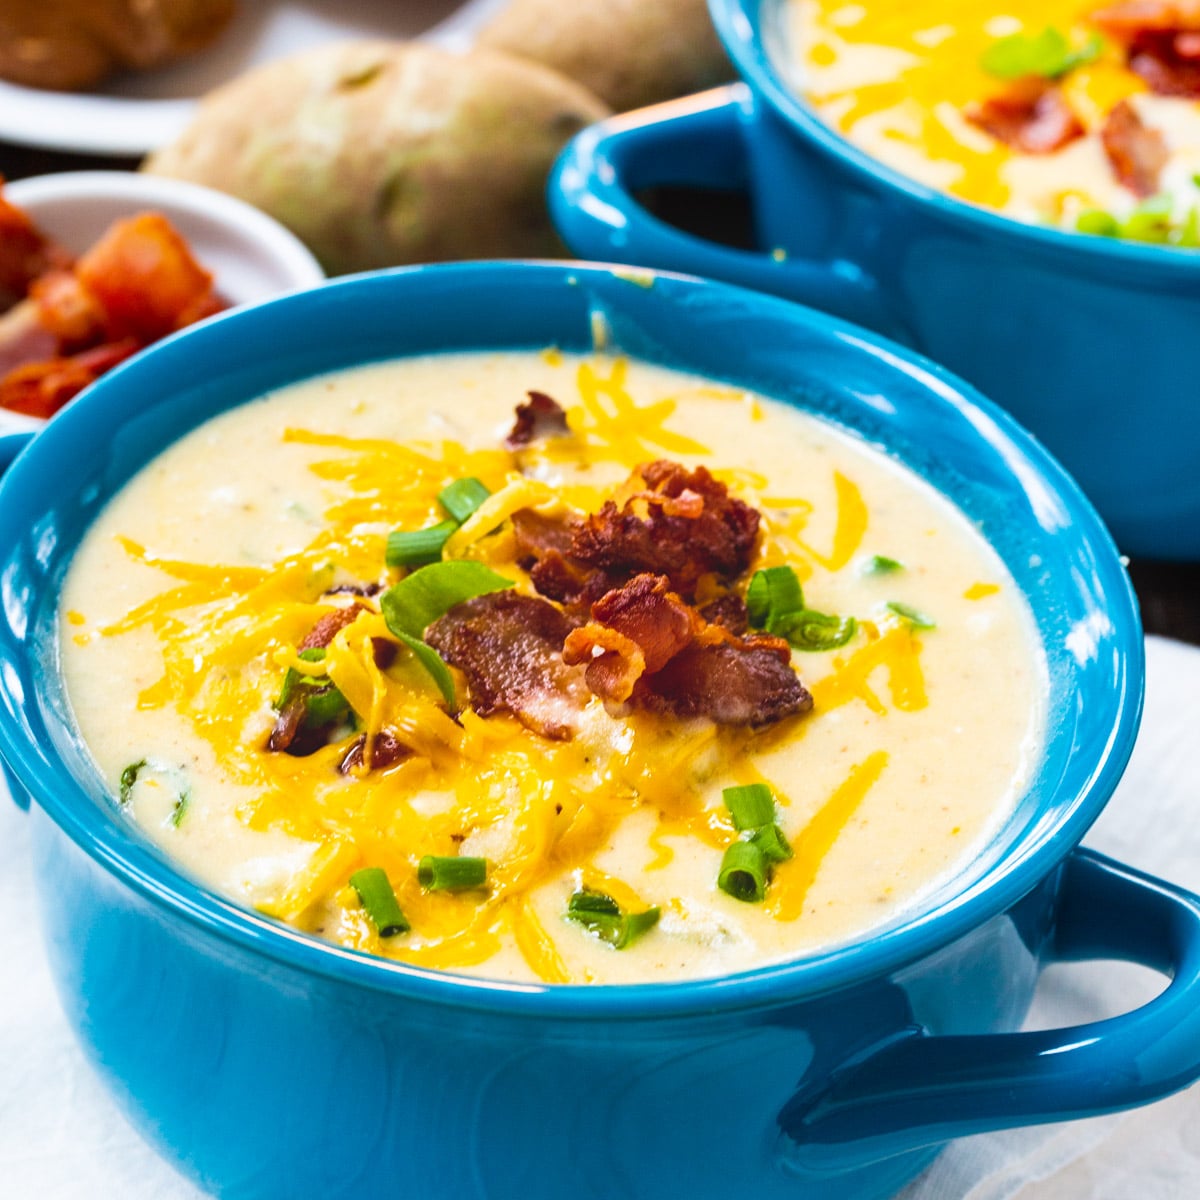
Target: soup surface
692,722
1068,112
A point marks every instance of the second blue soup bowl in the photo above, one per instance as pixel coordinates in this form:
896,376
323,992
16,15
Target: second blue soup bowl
1088,341
268,1065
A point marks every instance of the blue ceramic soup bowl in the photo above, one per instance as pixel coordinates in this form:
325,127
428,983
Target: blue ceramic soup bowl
268,1064
1088,341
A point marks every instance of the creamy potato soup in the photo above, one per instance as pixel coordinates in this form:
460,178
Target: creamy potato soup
1068,112
646,678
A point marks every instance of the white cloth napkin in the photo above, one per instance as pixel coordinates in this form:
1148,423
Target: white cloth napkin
61,1139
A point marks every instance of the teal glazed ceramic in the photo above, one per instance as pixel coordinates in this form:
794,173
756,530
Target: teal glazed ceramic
271,1066
1086,340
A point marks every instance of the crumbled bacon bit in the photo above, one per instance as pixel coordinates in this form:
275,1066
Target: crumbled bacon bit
509,647
386,751
329,626
1137,154
1161,42
683,525
384,651
651,623
1032,116
355,589
541,416
290,735
728,611
646,647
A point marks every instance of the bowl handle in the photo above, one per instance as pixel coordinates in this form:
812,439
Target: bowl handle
923,1090
10,446
698,141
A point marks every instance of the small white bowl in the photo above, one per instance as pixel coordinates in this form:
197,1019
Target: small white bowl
251,255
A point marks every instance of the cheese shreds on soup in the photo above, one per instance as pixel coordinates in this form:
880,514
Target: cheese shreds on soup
1071,113
649,602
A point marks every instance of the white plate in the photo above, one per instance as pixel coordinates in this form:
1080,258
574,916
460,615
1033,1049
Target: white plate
138,113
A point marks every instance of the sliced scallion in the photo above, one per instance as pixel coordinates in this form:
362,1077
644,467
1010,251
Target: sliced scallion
773,593
600,914
293,679
378,898
916,618
810,630
751,806
771,841
743,873
431,660
451,873
880,564
418,547
129,778
462,497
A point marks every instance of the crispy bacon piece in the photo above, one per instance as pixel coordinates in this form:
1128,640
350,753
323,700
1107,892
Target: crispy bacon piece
1032,116
744,681
637,628
1137,154
143,275
25,253
386,751
1162,42
728,611
329,625
541,416
646,647
40,389
683,524
510,649
67,310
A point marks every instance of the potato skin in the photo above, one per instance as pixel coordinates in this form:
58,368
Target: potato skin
381,153
629,52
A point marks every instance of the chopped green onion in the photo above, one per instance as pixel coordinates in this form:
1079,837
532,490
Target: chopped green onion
809,630
293,679
378,898
324,706
1048,55
774,845
916,618
431,660
1098,223
1150,221
413,604
880,564
183,793
129,778
417,547
634,925
743,873
751,806
451,874
774,592
600,914
462,497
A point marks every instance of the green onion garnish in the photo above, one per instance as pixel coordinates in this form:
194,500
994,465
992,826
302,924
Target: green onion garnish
431,660
413,604
809,630
751,806
774,845
294,679
774,592
378,898
1048,55
1098,223
916,618
880,564
129,778
600,914
1152,222
451,874
743,873
462,497
416,547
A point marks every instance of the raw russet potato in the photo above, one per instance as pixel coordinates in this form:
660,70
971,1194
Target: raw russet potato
72,44
629,52
380,153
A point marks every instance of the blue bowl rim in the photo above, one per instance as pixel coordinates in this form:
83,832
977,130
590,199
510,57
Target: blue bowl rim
739,26
56,791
